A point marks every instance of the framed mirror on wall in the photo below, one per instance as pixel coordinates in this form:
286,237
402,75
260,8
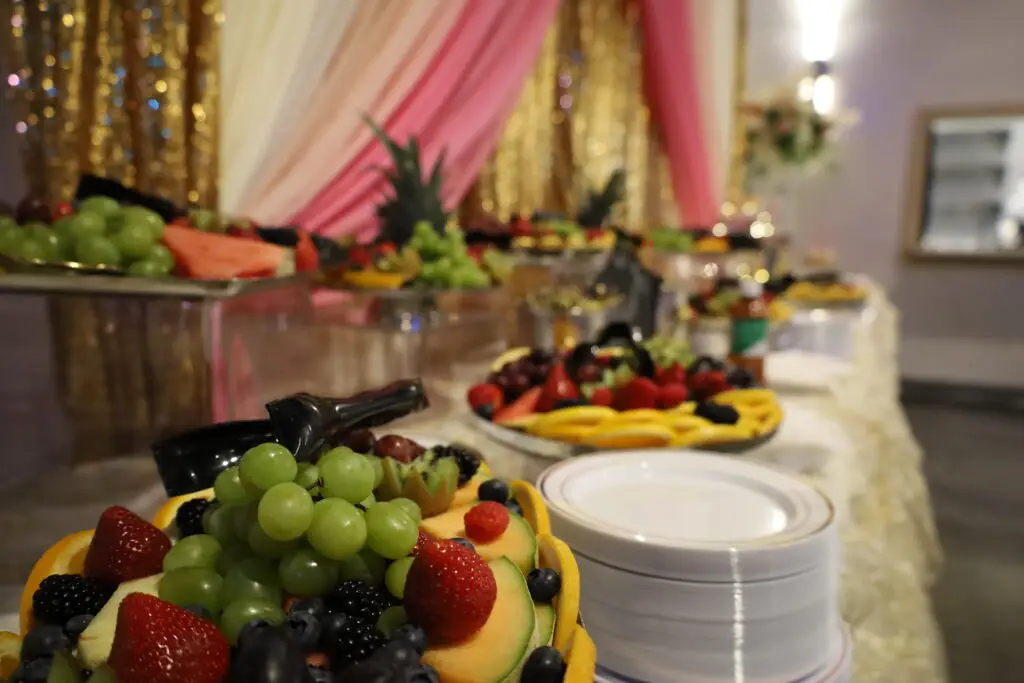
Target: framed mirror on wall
965,196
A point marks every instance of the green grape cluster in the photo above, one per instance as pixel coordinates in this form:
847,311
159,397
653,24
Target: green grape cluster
446,263
280,528
100,233
671,240
666,351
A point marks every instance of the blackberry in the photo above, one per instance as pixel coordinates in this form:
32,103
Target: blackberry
63,596
356,642
189,518
741,378
358,600
467,459
717,413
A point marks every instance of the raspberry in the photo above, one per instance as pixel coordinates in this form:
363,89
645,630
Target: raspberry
486,522
449,592
62,596
637,393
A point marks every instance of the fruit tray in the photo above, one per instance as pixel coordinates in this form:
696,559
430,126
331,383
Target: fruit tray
632,395
343,556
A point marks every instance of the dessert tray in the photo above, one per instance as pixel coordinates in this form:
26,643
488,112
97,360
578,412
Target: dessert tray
618,392
307,549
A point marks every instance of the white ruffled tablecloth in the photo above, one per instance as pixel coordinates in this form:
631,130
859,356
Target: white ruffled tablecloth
845,431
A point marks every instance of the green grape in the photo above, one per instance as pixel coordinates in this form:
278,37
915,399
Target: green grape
100,205
306,573
366,502
268,464
29,250
394,577
96,250
158,253
378,469
86,223
238,613
409,507
265,546
338,530
366,566
308,475
242,518
134,240
285,511
147,268
218,524
389,531
253,578
348,476
193,586
231,555
391,619
201,550
229,489
141,217
48,240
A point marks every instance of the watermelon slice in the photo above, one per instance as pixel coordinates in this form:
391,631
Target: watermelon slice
206,256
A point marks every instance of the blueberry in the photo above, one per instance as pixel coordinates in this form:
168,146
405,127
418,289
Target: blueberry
704,363
424,673
412,635
314,606
741,378
73,629
544,585
319,675
254,627
397,654
717,413
43,641
514,506
544,665
199,611
465,542
332,627
33,671
485,411
305,629
493,489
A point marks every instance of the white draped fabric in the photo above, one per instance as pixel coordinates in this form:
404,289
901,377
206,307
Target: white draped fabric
273,56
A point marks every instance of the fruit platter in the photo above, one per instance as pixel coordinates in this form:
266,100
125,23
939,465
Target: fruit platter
620,393
353,557
826,290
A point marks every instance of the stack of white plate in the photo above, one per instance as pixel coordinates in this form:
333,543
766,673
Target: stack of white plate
698,568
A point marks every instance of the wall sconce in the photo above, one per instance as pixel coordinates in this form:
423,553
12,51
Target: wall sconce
819,28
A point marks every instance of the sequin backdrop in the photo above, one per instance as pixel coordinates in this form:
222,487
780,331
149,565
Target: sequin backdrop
581,115
85,100
122,88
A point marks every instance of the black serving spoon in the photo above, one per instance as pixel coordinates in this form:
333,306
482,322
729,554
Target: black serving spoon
617,334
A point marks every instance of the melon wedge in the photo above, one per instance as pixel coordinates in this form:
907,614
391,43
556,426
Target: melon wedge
205,256
518,543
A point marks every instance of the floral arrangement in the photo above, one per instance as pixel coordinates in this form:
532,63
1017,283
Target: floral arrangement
785,131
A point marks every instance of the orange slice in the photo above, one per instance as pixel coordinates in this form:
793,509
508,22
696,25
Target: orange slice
10,653
165,516
555,554
643,435
582,661
66,556
534,510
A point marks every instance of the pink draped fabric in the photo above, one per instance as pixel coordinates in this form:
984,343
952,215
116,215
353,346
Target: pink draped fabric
459,105
672,81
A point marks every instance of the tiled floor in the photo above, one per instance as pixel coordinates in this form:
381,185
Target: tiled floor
974,464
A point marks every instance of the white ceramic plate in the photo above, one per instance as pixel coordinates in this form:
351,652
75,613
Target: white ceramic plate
690,516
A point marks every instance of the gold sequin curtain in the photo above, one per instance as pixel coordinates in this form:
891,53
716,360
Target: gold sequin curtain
581,115
126,89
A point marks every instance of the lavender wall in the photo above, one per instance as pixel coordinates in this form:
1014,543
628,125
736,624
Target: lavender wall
961,324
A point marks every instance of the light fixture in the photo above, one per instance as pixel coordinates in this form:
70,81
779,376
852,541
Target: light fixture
819,24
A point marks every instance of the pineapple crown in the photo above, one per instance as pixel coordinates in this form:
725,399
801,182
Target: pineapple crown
597,208
413,198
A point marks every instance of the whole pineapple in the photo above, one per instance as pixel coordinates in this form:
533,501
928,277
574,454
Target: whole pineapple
413,198
598,207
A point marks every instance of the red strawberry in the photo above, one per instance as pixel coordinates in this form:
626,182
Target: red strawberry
63,209
423,539
522,406
359,256
594,233
486,398
557,387
449,592
706,384
385,248
521,227
125,547
307,258
671,395
486,522
637,393
673,374
157,642
602,396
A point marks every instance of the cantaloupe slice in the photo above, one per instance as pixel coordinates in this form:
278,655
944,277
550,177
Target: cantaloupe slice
518,543
497,652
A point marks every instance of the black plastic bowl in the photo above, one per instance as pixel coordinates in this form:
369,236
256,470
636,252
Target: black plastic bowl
191,461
